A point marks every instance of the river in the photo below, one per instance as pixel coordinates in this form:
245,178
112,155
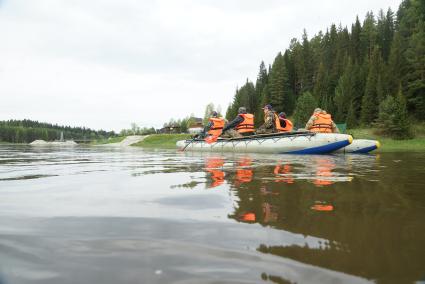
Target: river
128,215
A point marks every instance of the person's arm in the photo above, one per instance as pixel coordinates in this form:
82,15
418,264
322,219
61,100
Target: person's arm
208,126
334,128
233,123
310,123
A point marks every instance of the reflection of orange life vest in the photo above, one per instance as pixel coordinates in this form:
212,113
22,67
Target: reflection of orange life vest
283,173
217,175
217,127
249,217
279,128
324,173
247,125
320,207
244,175
322,123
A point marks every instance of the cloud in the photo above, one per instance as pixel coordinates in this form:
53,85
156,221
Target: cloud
105,64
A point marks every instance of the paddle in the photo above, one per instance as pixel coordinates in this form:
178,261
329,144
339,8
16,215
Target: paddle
188,143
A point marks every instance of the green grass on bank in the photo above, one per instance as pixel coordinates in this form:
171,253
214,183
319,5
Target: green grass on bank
417,144
108,140
162,140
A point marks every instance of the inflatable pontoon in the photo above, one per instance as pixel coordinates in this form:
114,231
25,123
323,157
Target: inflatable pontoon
277,143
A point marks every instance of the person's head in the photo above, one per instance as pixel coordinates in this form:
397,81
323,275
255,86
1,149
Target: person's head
267,108
282,115
242,110
214,114
317,110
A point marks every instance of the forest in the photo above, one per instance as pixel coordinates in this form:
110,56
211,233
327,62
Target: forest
26,131
369,74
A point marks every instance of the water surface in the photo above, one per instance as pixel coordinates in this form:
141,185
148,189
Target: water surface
110,215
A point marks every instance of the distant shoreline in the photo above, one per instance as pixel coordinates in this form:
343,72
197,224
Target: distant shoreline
168,141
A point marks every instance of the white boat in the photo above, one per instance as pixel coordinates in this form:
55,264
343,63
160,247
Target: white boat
278,143
360,146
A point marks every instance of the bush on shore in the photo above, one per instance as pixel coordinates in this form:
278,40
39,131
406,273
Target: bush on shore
393,119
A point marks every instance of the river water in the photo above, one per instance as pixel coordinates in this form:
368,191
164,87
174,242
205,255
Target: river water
112,215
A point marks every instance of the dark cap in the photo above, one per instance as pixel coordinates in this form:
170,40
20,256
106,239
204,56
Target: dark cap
268,106
214,113
282,114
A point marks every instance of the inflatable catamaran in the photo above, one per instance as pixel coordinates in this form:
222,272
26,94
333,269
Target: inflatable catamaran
284,143
277,143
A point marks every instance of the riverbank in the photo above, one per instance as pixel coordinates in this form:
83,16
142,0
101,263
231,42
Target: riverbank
416,144
162,140
109,140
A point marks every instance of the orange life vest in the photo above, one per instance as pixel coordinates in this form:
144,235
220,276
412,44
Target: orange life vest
247,125
279,128
322,123
217,127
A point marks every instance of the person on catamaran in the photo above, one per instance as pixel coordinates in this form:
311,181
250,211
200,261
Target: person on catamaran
215,125
285,124
321,122
242,125
274,123
269,125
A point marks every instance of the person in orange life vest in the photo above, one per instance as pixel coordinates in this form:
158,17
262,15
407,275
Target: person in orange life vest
242,125
321,122
269,125
285,124
214,127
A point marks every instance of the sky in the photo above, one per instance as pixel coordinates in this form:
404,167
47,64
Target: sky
106,64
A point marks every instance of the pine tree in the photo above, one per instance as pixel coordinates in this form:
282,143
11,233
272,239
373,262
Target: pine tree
307,64
368,35
370,98
279,86
305,106
396,66
321,87
355,43
415,55
260,84
344,93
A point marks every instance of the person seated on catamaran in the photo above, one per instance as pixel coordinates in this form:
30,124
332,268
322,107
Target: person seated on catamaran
321,122
285,124
269,125
242,125
214,127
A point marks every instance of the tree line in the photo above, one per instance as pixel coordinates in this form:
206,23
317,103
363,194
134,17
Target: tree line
359,74
26,131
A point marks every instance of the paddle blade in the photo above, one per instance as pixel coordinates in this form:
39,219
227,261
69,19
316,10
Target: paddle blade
211,139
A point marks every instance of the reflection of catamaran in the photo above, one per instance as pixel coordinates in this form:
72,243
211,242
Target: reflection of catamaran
283,143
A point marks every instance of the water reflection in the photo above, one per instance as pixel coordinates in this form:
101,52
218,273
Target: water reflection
248,217
332,198
244,172
214,166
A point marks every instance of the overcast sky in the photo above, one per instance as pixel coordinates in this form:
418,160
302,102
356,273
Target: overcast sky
105,64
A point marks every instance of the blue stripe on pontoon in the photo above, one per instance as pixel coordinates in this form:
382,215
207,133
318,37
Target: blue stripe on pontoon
322,149
365,150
